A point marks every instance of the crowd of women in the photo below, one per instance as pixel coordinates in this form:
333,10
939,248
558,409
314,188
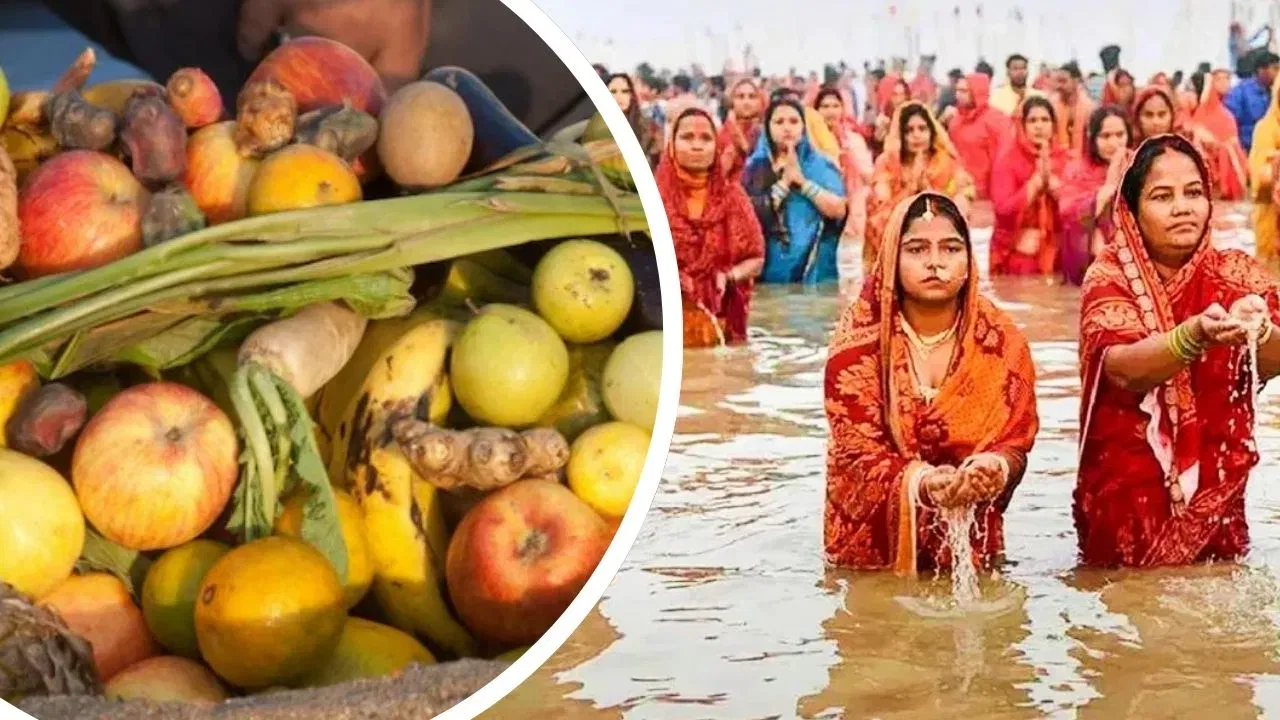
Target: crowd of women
930,388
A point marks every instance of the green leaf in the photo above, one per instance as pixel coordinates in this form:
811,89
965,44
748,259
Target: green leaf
102,555
257,496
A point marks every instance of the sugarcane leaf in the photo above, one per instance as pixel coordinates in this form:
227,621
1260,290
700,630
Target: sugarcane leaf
186,341
321,523
536,183
102,555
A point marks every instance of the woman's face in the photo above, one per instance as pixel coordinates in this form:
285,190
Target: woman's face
831,108
1222,83
1124,89
746,101
899,95
1155,117
1173,209
786,126
1112,137
964,94
933,263
918,136
1039,126
621,93
695,143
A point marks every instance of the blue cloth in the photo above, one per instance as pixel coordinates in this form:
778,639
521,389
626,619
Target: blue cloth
800,244
37,46
1248,102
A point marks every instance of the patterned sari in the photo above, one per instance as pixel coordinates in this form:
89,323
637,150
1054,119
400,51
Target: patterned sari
715,228
1162,474
884,433
892,182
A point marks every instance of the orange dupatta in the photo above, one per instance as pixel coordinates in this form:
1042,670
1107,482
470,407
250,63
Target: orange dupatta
883,432
890,182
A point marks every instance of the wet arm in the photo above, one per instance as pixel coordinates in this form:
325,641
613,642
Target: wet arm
1145,364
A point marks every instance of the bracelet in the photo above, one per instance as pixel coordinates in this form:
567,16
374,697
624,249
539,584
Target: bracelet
810,189
1182,346
780,191
1266,334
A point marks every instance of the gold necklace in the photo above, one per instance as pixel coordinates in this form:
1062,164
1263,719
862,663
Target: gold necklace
927,344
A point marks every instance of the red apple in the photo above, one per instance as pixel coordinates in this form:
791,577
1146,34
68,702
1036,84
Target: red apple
519,557
154,468
218,174
322,72
79,210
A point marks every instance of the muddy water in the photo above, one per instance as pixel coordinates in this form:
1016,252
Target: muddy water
724,608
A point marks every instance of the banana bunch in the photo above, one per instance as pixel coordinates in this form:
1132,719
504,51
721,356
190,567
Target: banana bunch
399,369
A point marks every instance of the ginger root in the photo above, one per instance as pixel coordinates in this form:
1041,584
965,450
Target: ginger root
342,130
10,232
266,113
155,138
78,123
484,458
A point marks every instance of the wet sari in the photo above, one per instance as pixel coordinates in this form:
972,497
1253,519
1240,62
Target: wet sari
801,245
1027,234
978,133
714,228
738,136
884,433
1266,142
892,182
1162,474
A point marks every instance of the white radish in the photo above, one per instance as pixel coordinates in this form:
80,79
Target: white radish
308,348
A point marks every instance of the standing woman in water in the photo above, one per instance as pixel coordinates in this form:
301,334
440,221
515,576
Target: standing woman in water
855,157
1025,186
741,129
1089,186
719,246
624,93
930,395
918,156
799,199
978,131
1230,167
1167,410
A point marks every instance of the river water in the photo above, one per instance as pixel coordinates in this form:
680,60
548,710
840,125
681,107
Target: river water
724,608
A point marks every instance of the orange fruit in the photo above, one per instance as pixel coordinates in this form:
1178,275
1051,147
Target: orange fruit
100,609
269,613
170,590
302,176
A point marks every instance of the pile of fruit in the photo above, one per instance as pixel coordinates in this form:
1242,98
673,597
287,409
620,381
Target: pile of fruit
309,390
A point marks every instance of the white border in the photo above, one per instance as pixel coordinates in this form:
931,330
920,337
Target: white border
668,400
672,369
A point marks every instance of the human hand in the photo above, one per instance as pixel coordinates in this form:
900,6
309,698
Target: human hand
391,34
943,485
1250,310
722,283
1054,184
985,475
1217,327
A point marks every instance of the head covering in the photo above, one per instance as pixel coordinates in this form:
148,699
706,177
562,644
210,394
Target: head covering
980,90
1176,116
893,140
884,91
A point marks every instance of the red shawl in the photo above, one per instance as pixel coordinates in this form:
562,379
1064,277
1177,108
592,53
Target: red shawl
739,136
978,132
1228,167
724,234
1111,95
1017,163
924,88
1193,430
883,432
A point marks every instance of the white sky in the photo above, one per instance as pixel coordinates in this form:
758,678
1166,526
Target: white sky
1154,34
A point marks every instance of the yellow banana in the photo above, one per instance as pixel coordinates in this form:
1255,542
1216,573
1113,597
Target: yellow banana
469,280
403,521
16,380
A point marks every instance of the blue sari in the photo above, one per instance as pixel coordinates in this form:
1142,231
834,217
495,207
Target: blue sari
800,244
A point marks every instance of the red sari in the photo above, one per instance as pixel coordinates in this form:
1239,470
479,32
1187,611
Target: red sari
1017,219
714,227
1078,216
739,136
1162,475
883,432
978,133
1229,173
1229,166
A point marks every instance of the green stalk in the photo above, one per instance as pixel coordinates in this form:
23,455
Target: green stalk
260,378
258,462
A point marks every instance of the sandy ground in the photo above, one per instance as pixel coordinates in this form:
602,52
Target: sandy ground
419,692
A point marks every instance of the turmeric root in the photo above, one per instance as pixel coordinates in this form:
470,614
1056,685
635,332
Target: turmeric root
342,130
266,113
77,123
482,458
10,232
155,138
195,98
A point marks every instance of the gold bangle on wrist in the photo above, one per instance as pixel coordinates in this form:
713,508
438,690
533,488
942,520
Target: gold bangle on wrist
1182,346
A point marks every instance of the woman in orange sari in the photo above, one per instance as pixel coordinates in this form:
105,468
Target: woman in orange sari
855,163
930,396
1167,411
741,130
718,241
918,156
1025,186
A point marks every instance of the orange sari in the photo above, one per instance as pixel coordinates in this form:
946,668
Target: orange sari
884,433
892,182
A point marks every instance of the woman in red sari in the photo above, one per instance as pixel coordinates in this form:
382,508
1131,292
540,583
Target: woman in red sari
1230,166
1156,114
855,163
978,131
741,129
1119,91
891,94
1025,188
718,241
930,396
1089,186
1167,411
